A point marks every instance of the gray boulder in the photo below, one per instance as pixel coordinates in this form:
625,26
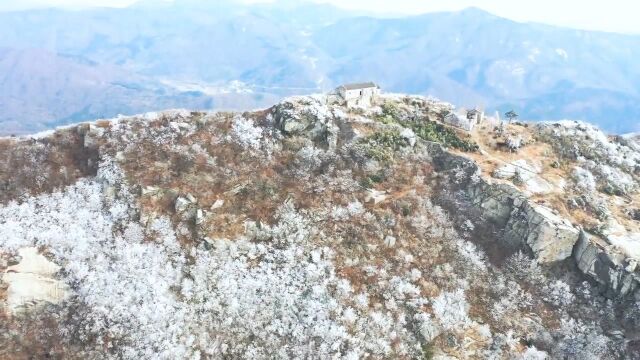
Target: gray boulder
308,116
93,133
549,236
186,207
607,266
495,201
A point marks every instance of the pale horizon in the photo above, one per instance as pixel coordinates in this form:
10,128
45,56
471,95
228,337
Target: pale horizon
612,16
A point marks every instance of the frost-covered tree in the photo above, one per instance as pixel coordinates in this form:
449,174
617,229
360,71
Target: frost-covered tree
451,309
558,293
246,133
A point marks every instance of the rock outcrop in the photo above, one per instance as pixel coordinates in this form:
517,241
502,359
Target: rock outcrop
186,207
550,237
521,171
32,281
308,116
606,265
459,121
547,235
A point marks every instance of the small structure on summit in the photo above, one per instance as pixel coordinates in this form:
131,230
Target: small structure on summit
459,121
358,94
465,120
475,115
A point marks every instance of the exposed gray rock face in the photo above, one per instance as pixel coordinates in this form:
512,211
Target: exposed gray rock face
526,174
550,237
495,201
376,196
607,266
182,204
151,191
32,282
390,241
93,132
309,116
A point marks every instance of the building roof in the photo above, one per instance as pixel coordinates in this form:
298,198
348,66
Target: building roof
359,86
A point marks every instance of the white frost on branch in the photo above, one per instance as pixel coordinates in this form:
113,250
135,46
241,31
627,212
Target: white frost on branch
244,132
136,293
123,283
451,310
341,213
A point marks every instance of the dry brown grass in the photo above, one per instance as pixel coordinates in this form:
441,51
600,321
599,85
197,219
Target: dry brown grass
33,336
543,155
39,166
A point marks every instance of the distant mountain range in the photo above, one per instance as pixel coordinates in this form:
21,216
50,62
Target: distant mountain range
59,66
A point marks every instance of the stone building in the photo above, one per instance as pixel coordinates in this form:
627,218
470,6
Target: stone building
475,115
358,94
460,121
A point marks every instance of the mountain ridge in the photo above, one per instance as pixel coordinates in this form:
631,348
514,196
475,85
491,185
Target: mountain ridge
471,57
385,229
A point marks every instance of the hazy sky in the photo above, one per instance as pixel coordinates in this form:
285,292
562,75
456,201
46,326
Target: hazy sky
609,15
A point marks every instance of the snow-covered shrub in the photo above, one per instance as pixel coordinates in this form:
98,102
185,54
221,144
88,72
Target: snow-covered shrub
450,308
579,340
573,139
514,142
144,300
471,254
124,285
352,209
309,158
272,307
616,182
531,353
512,299
402,289
525,268
292,227
428,328
246,133
584,179
558,293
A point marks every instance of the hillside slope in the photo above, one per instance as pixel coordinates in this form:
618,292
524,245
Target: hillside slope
310,230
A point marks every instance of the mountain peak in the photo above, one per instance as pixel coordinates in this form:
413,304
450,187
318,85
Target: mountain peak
476,11
344,222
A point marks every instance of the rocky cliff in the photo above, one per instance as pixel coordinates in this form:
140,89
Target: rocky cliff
314,230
